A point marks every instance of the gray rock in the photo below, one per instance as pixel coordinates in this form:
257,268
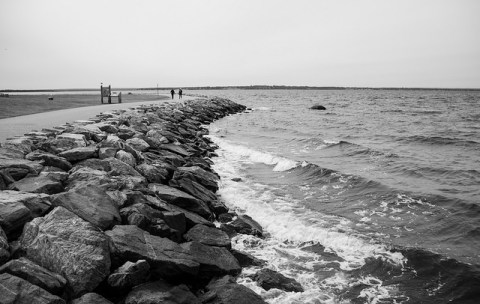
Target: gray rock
223,263
33,167
4,247
153,174
317,107
126,157
246,259
56,145
23,144
175,149
208,236
17,208
50,159
166,258
119,167
64,243
35,274
92,204
181,199
85,176
138,144
207,179
91,298
268,279
161,292
77,140
195,189
10,153
107,152
18,291
229,292
170,225
129,275
38,184
80,153
95,163
246,225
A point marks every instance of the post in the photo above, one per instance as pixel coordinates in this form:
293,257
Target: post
109,94
120,97
101,92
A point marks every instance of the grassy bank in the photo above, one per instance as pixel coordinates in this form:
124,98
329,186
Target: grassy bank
17,105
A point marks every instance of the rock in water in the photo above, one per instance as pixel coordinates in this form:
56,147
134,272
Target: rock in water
269,279
214,261
318,107
64,243
208,236
14,290
161,292
229,292
92,204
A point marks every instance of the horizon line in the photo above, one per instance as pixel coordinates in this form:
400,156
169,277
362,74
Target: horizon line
264,87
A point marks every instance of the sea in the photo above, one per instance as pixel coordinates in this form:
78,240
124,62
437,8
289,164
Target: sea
374,200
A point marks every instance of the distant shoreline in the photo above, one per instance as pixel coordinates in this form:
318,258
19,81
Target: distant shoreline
252,87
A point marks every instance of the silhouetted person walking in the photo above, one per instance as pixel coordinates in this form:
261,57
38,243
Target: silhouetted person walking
172,92
180,92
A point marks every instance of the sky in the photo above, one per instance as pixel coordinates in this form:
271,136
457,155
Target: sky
142,43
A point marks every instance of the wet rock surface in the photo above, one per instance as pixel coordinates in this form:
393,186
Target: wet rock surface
120,208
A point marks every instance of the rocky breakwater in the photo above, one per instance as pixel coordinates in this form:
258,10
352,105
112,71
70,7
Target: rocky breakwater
121,208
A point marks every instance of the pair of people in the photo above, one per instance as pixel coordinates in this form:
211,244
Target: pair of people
180,92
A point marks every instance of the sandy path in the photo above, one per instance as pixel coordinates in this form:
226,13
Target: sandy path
20,125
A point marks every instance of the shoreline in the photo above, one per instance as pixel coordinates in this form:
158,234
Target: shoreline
137,188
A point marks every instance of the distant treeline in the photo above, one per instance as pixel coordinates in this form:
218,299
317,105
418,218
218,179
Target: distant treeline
251,87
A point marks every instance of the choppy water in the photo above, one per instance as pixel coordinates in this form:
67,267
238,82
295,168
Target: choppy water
375,200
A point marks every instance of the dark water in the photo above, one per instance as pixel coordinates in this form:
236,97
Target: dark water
375,200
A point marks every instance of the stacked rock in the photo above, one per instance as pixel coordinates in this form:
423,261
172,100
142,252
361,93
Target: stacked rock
120,209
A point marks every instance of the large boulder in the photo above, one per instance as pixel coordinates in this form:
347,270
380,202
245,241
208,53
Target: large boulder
138,144
129,275
160,223
50,159
64,243
126,157
177,149
38,184
77,140
15,290
246,225
227,291
92,204
317,107
208,236
207,179
35,274
223,263
161,292
80,153
17,208
181,199
166,258
33,167
195,189
268,279
154,174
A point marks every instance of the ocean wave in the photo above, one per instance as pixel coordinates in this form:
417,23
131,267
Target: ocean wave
279,163
438,140
350,149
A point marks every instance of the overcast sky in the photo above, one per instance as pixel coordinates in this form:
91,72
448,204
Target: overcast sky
142,43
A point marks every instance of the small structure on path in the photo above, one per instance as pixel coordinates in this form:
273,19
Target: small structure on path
107,92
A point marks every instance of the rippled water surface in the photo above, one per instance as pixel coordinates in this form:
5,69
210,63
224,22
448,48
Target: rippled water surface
375,200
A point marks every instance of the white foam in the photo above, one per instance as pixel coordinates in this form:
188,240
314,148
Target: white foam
279,163
288,225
